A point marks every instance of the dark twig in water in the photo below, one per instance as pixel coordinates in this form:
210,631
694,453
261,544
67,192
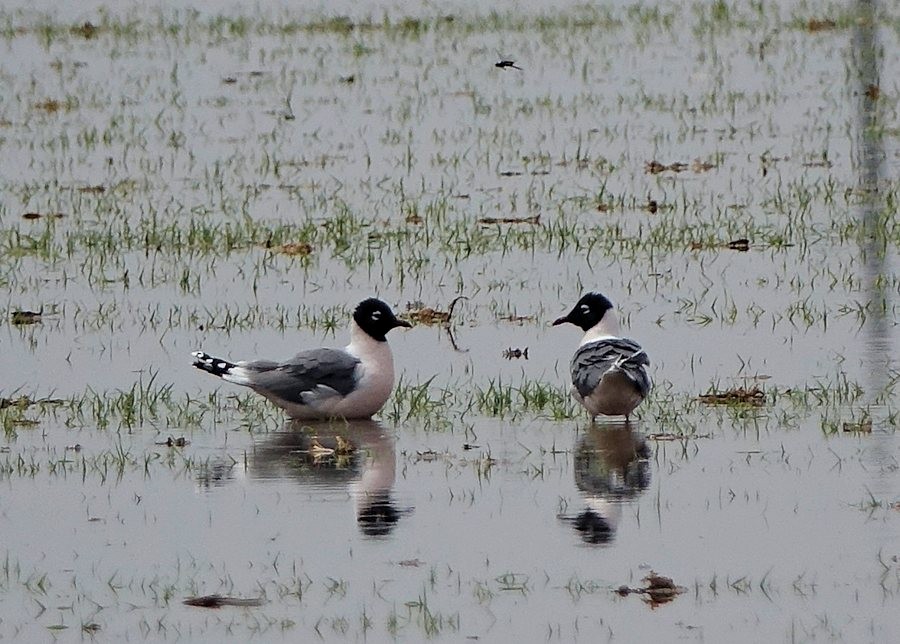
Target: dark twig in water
534,220
507,64
217,601
453,305
450,328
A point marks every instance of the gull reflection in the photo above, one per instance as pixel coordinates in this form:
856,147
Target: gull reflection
611,467
358,456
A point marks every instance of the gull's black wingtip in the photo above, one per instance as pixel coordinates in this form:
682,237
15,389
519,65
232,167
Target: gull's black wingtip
215,366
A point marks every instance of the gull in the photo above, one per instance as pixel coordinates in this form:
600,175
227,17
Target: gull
353,382
609,373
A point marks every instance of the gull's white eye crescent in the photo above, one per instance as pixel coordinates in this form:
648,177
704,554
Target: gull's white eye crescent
376,315
585,309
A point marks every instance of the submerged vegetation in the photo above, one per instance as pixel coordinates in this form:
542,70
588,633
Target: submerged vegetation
454,406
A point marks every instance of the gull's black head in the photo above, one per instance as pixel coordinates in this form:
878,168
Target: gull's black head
588,312
378,517
376,318
593,528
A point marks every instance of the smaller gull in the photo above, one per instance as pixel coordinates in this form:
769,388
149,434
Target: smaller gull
609,373
353,382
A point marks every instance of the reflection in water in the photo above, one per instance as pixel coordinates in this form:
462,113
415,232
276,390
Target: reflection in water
611,467
874,217
357,455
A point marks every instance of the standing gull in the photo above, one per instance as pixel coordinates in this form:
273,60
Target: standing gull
609,373
353,382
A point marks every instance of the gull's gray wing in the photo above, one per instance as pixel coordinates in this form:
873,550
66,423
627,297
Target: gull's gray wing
307,376
593,360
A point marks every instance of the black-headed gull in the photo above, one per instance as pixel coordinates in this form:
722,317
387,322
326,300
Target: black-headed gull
353,382
609,373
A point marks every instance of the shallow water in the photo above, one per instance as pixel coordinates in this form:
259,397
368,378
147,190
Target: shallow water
765,530
184,148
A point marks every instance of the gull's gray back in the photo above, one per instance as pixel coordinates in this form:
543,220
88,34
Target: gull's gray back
307,372
593,360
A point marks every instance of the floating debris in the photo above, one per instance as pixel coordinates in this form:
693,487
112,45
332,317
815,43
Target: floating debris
411,563
507,64
511,173
666,436
820,24
517,319
181,441
86,30
229,80
872,92
50,105
652,206
470,446
295,249
658,590
536,219
821,163
742,245
348,79
661,589
217,601
37,215
862,427
419,314
655,167
428,315
26,317
25,402
92,190
513,354
738,396
698,166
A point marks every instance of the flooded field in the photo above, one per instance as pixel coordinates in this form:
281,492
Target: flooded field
237,178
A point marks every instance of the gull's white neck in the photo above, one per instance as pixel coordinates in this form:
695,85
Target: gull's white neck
369,350
608,327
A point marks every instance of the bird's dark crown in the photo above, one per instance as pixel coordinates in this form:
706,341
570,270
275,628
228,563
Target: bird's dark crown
376,318
589,310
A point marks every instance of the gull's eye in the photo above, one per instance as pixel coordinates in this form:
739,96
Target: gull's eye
585,309
376,315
